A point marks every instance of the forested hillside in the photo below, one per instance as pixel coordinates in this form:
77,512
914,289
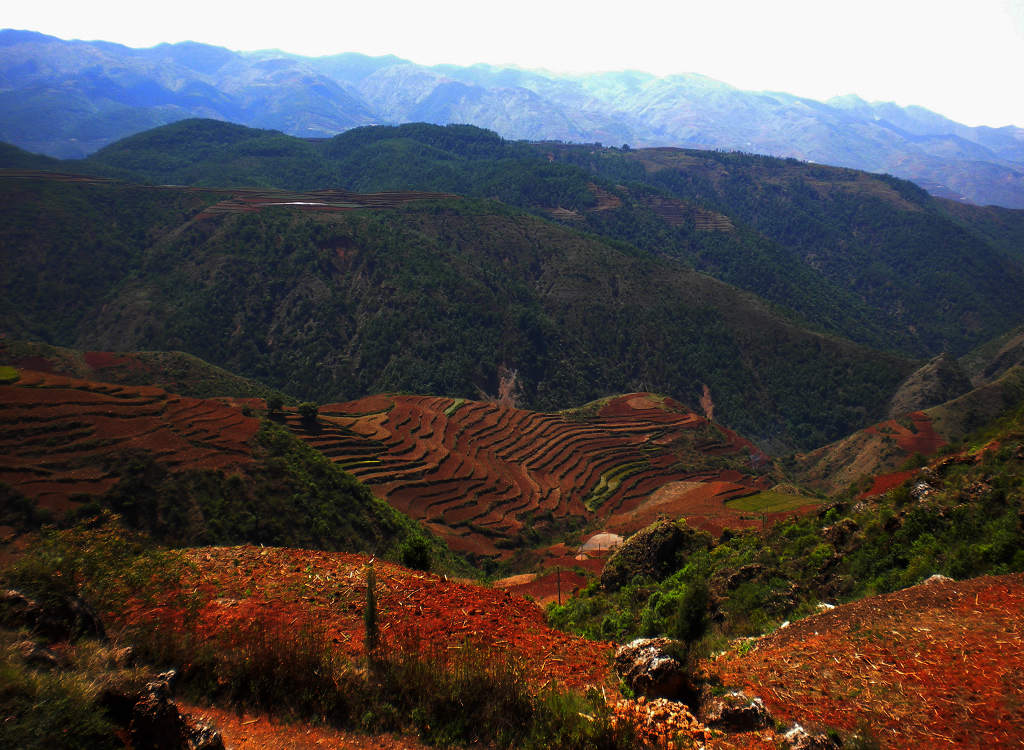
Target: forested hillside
867,257
431,298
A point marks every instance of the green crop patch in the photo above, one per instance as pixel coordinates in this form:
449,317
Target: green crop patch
609,482
771,502
8,375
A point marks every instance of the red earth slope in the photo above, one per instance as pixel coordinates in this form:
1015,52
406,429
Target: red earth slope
60,437
292,592
326,591
937,665
482,475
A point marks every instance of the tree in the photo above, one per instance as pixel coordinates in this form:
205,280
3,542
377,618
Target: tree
416,554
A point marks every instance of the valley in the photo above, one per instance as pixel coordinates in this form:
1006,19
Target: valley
399,435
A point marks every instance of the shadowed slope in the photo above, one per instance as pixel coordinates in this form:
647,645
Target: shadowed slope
881,449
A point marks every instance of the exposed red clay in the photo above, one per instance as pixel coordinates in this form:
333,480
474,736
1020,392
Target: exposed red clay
57,433
478,474
936,665
417,610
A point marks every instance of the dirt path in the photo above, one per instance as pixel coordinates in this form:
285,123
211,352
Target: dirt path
259,732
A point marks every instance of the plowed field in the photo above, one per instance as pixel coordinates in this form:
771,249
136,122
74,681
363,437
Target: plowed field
60,437
485,477
938,665
328,590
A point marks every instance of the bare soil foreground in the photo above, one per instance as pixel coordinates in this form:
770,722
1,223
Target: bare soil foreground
244,731
326,592
940,664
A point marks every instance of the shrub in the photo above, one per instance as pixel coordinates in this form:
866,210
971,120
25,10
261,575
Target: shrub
98,560
415,553
466,695
308,411
43,710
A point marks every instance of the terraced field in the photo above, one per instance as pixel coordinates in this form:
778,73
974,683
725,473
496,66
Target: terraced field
249,201
676,213
62,439
491,479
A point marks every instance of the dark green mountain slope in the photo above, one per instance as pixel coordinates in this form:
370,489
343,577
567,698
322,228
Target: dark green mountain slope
14,157
213,153
177,372
432,298
68,245
930,282
867,257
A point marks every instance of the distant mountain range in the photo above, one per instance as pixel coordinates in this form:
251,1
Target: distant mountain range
70,98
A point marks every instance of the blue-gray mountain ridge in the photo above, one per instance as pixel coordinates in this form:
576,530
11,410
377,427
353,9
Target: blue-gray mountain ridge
70,98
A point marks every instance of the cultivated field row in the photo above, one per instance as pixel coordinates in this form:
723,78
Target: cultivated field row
63,439
486,477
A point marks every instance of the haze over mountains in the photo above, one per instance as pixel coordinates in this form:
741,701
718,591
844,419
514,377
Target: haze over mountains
774,386
69,99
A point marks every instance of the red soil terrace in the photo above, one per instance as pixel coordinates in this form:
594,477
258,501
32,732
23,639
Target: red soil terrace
479,474
60,436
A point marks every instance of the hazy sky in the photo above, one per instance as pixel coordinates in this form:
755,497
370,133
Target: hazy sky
962,58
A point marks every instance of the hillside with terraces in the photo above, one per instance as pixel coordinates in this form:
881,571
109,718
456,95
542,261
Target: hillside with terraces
491,479
437,356
176,467
488,480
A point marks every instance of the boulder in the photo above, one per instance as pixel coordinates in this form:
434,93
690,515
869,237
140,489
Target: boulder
649,668
36,656
154,720
655,551
61,618
839,533
799,738
747,573
735,712
921,491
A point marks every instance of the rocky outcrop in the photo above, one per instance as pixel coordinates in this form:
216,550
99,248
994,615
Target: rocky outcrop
799,738
60,618
654,552
735,712
839,533
154,721
36,656
650,668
